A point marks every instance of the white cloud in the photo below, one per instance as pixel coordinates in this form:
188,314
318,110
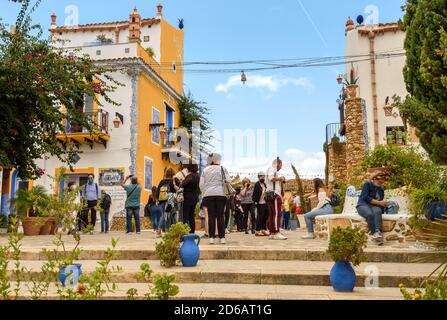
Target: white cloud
270,83
308,164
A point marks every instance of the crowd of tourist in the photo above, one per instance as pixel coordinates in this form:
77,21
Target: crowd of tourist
260,208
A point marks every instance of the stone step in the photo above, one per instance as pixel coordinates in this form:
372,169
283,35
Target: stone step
265,272
374,255
219,291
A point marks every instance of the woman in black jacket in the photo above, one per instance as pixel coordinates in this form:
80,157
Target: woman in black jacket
191,192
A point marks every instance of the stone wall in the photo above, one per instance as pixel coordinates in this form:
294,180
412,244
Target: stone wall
355,140
337,161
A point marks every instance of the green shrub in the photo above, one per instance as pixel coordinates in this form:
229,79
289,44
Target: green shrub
169,247
407,167
347,245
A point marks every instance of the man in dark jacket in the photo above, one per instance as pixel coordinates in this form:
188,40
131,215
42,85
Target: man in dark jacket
371,205
261,206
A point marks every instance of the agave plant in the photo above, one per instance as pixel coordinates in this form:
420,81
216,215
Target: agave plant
434,287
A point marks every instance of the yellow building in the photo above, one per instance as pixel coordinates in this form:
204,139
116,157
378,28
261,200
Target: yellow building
138,136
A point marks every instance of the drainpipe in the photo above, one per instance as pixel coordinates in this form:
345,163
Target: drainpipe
372,52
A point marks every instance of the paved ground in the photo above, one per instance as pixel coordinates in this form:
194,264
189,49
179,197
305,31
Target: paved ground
147,241
211,291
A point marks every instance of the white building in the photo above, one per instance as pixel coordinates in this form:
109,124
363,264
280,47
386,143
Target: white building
379,59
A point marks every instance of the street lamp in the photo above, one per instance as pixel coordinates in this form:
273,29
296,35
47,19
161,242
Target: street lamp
339,79
243,77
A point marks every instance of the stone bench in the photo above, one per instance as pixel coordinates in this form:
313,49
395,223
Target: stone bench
395,227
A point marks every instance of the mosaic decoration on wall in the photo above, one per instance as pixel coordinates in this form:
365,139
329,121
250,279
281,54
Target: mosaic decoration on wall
365,126
147,173
111,176
155,130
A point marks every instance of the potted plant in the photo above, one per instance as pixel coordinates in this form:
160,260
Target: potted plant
200,222
4,224
29,206
150,52
351,84
103,39
430,201
346,249
168,249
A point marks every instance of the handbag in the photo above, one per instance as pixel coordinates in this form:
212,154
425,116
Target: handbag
227,187
270,196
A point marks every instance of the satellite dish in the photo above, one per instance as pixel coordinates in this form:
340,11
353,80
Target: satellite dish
360,19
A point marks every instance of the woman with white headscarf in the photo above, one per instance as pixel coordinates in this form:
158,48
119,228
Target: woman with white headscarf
214,198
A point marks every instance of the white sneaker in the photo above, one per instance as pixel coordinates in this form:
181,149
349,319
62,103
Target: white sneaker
310,236
223,241
279,236
211,240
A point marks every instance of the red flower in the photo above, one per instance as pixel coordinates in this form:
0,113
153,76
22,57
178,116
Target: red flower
13,131
80,288
41,90
28,58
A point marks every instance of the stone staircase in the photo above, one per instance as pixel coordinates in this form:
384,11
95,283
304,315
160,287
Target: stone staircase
269,271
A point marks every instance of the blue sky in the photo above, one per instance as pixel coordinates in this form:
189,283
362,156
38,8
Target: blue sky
297,102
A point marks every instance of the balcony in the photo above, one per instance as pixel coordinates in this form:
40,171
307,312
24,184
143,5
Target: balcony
170,143
79,135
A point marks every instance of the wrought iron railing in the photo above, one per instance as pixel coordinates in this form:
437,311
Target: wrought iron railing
169,138
333,131
99,122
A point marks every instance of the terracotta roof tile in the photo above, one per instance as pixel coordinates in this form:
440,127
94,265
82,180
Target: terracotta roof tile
104,25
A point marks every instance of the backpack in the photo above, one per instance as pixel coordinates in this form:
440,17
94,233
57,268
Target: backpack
106,202
335,200
163,195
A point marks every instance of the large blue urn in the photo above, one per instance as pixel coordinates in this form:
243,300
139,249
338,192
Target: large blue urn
69,275
190,252
343,278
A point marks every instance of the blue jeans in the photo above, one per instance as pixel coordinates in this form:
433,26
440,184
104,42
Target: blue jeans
310,217
166,218
133,212
285,220
156,215
104,220
373,216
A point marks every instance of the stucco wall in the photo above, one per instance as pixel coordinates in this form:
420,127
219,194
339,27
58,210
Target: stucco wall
389,76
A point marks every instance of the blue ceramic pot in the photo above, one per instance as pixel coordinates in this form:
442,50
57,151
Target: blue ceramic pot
69,275
343,278
435,211
190,252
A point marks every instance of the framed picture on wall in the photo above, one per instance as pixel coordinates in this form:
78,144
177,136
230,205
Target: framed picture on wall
147,173
155,130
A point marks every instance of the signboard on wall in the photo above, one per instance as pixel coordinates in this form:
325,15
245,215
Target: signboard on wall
147,173
109,177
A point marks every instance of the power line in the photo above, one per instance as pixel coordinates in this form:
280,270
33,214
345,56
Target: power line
308,64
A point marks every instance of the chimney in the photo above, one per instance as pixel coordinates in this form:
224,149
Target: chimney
53,21
135,26
159,11
349,25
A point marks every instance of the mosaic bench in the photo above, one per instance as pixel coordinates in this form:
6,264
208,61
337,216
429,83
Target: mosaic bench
395,227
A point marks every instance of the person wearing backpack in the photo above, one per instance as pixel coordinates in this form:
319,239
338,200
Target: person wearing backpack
132,204
106,202
90,195
165,195
324,207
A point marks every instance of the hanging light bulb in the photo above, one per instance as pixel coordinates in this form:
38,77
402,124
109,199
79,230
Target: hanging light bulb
243,77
